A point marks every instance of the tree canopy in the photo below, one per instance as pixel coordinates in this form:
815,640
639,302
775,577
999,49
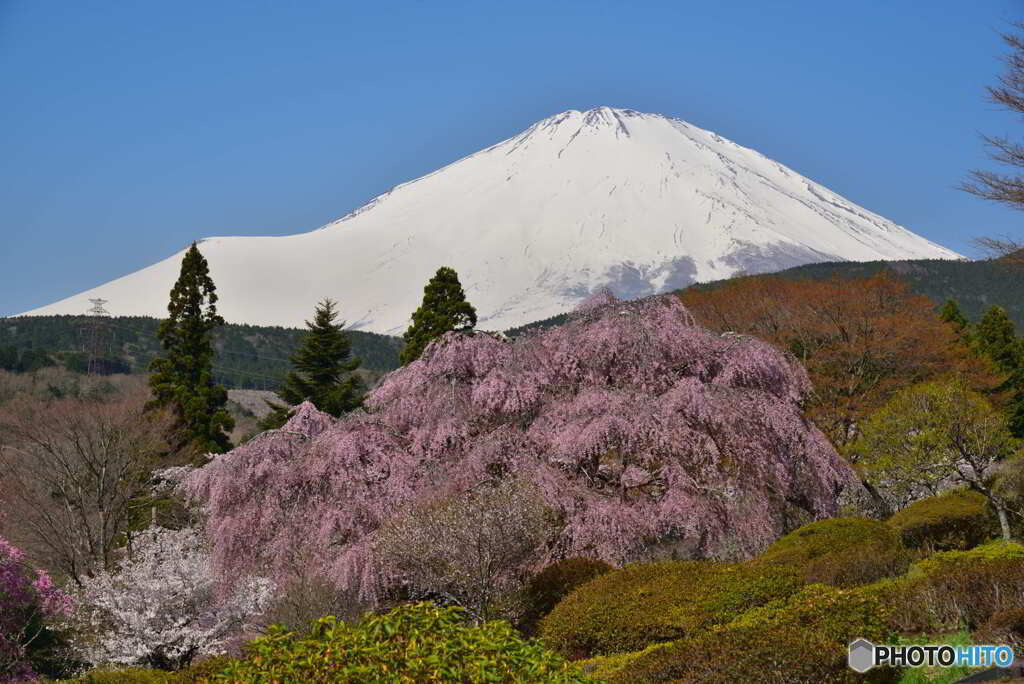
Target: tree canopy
444,309
182,378
931,437
861,339
322,369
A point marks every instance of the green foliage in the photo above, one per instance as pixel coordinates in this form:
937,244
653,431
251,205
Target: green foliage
802,638
202,671
323,370
950,313
23,360
929,434
642,604
245,356
417,643
444,309
842,552
607,667
937,675
996,339
548,587
128,675
956,520
182,379
954,589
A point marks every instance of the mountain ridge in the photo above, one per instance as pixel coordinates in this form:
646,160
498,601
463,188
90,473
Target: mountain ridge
581,200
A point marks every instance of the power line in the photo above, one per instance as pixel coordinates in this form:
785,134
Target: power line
96,333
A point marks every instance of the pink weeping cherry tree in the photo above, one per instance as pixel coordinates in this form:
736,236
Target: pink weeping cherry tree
644,435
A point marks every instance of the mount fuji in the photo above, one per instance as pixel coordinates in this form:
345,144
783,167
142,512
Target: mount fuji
638,203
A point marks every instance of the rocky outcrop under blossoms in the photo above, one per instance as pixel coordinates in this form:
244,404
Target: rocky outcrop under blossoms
647,435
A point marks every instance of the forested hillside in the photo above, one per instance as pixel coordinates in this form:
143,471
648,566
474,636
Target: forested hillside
975,285
248,356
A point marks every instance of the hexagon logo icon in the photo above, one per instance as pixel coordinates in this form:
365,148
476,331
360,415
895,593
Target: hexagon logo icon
861,657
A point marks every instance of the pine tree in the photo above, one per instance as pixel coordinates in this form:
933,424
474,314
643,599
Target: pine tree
444,309
951,314
323,370
182,379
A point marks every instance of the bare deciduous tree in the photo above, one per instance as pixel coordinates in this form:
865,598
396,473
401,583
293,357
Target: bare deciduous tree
73,472
1004,249
468,549
1005,188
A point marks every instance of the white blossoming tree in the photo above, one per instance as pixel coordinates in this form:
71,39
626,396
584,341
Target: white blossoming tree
164,605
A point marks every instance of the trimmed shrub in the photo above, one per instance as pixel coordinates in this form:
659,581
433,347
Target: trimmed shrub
128,675
1004,627
607,667
841,552
802,639
643,604
955,589
956,520
552,584
203,671
412,643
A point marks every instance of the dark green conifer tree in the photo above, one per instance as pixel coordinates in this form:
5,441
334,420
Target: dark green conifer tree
182,379
444,309
996,339
951,314
323,370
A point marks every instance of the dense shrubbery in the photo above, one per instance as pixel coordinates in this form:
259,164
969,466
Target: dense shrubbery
797,640
842,552
552,584
955,589
956,520
411,644
202,672
1004,627
629,609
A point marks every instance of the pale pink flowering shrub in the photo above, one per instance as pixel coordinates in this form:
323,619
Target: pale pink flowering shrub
164,604
643,434
28,601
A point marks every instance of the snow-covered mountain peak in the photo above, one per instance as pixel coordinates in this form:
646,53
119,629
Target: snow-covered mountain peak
582,200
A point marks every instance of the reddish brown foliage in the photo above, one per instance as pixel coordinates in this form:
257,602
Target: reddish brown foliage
860,339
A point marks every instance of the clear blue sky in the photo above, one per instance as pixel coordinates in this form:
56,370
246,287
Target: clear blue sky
128,129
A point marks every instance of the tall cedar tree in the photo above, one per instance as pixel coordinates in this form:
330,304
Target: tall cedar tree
996,339
182,379
444,309
323,370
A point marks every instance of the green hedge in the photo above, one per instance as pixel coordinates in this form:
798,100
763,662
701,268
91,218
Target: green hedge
951,590
552,584
128,675
793,641
841,552
643,604
411,644
956,520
